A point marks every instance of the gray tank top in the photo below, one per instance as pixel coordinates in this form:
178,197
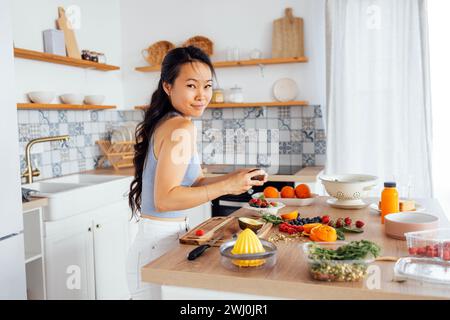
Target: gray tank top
148,184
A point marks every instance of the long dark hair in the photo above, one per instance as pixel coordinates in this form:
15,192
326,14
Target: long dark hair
160,106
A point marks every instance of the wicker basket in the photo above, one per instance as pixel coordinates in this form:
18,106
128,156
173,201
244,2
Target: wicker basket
200,42
156,52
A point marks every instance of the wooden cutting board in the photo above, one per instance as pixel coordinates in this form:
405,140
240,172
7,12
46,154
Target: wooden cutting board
69,35
287,36
216,227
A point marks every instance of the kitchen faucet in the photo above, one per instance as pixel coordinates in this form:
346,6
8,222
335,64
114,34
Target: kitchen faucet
29,172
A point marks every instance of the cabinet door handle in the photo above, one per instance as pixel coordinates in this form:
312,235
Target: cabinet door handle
98,226
89,229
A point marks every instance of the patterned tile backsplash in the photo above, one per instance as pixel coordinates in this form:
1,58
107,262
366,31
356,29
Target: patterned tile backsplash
261,136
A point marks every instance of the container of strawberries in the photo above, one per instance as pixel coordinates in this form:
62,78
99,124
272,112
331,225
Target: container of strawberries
429,244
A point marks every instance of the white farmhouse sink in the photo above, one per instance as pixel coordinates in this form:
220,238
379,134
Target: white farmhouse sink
78,193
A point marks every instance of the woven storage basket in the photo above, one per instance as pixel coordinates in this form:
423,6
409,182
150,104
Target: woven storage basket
200,42
157,51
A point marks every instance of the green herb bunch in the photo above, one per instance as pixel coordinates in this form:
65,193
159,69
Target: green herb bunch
354,250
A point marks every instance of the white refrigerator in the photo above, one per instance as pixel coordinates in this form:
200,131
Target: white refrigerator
12,253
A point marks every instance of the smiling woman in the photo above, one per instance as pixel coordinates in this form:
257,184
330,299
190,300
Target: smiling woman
168,177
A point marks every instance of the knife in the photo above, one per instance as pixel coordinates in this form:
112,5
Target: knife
197,252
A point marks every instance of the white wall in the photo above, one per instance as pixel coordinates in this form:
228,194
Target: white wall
232,23
100,31
439,24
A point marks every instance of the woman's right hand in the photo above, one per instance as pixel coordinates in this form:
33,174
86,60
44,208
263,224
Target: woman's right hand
240,181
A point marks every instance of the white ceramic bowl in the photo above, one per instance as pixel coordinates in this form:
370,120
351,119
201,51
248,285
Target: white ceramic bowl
41,96
272,210
397,224
349,189
72,98
96,99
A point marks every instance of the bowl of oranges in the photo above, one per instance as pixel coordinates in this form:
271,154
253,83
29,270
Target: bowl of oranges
299,196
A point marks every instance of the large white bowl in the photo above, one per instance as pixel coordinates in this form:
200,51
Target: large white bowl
96,99
72,98
41,96
349,189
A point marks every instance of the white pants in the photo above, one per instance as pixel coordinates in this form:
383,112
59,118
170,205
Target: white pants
154,238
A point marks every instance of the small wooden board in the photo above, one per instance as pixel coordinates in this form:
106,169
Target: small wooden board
69,35
287,36
217,227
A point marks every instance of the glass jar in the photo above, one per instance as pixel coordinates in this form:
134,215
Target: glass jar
236,95
218,96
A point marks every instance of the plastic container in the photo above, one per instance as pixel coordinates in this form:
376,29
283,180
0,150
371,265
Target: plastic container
336,270
433,244
422,270
262,260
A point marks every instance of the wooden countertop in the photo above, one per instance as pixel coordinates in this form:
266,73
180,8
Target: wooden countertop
290,278
307,174
34,203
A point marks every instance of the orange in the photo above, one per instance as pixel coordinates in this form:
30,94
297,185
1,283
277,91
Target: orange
290,215
302,191
287,192
323,233
271,192
307,227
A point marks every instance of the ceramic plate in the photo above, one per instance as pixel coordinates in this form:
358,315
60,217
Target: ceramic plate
333,202
419,208
285,89
289,201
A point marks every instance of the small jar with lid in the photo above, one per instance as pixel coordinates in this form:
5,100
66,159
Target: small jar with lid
218,96
236,95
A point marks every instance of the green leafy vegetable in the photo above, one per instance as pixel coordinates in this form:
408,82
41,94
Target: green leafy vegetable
354,250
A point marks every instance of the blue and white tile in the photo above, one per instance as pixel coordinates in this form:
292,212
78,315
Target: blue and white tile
217,124
285,147
56,156
296,160
263,148
284,112
272,124
262,135
53,116
320,147
217,114
297,147
272,113
250,123
46,158
284,124
43,116
227,113
296,112
308,123
33,116
62,116
71,116
262,123
24,133
285,160
296,135
22,116
308,112
319,123
308,147
319,135
46,171
238,113
56,169
285,135
318,111
307,135
320,159
64,155
308,159
296,124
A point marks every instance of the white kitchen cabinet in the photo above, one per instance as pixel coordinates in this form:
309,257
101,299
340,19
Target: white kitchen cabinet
69,260
88,252
110,254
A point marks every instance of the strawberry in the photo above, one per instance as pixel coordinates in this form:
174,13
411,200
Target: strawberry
325,219
412,251
339,223
359,224
348,221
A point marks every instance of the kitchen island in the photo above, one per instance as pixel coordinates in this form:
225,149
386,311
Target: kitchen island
206,278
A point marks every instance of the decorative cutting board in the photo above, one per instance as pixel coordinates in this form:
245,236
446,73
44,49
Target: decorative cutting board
287,36
217,227
69,35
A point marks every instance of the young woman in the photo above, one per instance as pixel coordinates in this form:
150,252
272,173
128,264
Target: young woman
168,177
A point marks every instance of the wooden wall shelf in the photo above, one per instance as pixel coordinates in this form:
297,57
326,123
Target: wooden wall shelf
38,106
241,63
52,58
249,104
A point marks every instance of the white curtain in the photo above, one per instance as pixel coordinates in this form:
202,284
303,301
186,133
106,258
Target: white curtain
378,96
